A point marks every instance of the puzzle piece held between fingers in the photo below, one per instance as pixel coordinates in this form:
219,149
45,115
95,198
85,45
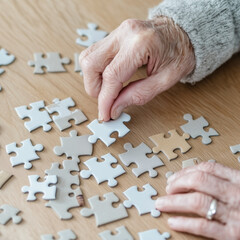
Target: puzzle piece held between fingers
5,59
122,234
93,35
235,149
40,187
169,144
103,130
53,62
153,234
195,128
25,153
63,235
8,213
37,118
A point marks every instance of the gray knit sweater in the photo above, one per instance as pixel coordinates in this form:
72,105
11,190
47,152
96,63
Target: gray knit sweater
213,27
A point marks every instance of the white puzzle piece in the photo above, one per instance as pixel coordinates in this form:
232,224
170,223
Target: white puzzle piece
153,234
142,200
5,59
235,149
103,171
122,234
40,187
37,118
103,130
103,210
8,212
63,235
64,114
92,33
24,153
138,155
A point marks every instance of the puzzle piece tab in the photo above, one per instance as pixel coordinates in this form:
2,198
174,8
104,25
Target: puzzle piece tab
103,210
8,213
103,130
40,187
235,149
138,155
195,128
37,118
142,200
153,234
168,145
53,62
122,234
5,59
64,114
63,235
93,35
103,171
74,146
25,153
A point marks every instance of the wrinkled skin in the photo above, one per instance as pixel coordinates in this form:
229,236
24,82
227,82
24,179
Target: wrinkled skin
160,44
191,191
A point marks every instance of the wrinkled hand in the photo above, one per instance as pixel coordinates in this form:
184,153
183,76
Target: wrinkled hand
191,191
160,44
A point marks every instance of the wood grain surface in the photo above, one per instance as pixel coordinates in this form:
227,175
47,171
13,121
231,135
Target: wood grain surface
50,26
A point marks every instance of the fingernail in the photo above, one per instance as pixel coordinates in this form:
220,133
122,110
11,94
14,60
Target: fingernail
173,222
117,112
167,188
160,202
171,178
100,118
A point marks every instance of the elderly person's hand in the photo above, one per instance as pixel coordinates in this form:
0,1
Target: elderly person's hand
192,190
160,44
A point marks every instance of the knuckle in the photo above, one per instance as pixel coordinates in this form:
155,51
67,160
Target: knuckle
199,201
110,74
85,62
208,167
130,23
138,99
199,178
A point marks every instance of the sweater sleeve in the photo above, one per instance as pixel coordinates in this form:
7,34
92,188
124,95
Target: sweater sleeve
212,26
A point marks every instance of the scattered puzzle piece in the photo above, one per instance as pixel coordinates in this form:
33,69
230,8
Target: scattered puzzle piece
5,59
153,234
138,155
64,114
53,62
64,201
195,128
4,177
169,174
190,162
93,35
142,200
168,145
63,235
235,149
40,187
24,154
122,234
103,210
77,67
212,160
103,130
74,146
103,171
37,118
8,213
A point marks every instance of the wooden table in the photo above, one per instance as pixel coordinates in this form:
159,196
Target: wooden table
47,26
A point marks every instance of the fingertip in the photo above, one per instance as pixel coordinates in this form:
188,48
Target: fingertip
116,112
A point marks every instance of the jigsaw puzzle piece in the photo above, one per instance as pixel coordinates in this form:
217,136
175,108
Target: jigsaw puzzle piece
103,210
103,171
190,162
93,35
40,187
235,149
153,234
103,130
64,114
168,145
63,235
4,177
53,62
24,154
8,213
142,200
195,128
122,234
37,118
5,59
138,156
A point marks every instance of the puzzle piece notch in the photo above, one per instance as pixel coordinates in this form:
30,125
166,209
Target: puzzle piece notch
5,59
41,187
74,146
235,149
103,171
103,130
63,235
64,114
8,213
92,33
24,154
4,177
52,62
195,128
122,234
138,155
153,234
37,118
142,200
167,145
103,210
